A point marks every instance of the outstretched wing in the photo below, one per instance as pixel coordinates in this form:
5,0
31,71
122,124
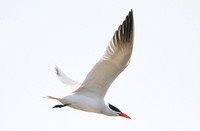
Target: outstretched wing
71,84
115,59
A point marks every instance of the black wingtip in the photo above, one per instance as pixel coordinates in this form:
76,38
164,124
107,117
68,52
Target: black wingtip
57,70
125,32
129,26
131,15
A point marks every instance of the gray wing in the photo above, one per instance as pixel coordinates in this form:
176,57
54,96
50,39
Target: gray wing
115,59
71,84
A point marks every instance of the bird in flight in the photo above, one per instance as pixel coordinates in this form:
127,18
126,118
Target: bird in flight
89,96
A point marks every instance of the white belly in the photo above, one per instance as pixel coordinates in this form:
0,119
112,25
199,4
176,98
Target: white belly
85,103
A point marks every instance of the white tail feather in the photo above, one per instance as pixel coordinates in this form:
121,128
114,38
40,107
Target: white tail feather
55,98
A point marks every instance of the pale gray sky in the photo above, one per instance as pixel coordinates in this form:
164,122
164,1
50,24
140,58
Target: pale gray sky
159,89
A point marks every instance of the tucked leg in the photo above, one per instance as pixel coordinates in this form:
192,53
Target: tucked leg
60,106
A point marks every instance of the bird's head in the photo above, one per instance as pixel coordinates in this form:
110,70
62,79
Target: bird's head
117,112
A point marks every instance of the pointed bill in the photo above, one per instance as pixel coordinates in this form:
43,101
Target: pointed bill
124,115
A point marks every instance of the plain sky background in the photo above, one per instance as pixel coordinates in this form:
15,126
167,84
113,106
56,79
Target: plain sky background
160,89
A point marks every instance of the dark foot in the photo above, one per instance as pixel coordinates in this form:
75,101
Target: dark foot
60,106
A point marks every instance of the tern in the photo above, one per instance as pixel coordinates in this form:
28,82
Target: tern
89,96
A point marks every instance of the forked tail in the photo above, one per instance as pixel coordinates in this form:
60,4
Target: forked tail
55,98
59,99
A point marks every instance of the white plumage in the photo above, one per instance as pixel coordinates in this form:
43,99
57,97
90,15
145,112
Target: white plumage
89,96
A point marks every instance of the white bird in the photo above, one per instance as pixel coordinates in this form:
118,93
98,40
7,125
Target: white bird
89,96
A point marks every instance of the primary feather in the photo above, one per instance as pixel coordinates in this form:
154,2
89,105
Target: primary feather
115,59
